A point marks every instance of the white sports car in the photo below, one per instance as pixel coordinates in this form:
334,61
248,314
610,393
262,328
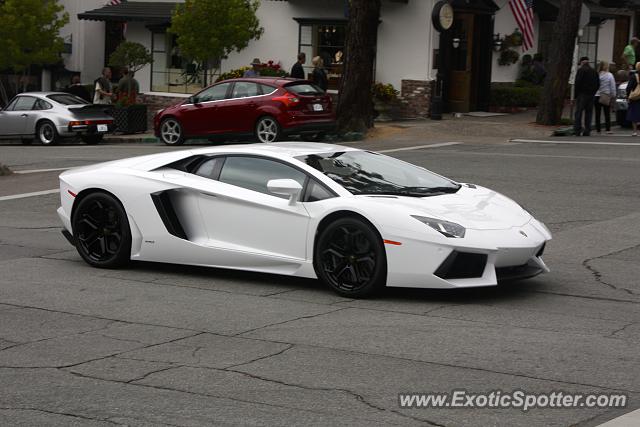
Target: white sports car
357,220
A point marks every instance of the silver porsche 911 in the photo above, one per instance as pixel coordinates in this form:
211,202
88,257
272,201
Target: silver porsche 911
50,116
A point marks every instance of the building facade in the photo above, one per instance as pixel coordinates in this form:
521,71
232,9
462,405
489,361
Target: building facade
408,52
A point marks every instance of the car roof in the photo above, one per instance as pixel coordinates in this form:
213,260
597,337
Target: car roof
280,149
41,94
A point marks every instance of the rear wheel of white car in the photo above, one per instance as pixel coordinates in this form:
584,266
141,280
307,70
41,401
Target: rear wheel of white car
101,230
350,258
171,132
46,133
267,129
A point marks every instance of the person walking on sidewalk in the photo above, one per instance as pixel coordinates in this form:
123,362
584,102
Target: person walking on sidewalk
586,85
104,91
633,112
605,96
297,71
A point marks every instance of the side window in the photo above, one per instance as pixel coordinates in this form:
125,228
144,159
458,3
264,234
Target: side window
210,168
214,93
42,105
12,104
266,89
24,103
245,89
253,173
316,192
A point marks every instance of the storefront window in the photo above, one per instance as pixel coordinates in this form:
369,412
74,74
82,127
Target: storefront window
325,39
171,72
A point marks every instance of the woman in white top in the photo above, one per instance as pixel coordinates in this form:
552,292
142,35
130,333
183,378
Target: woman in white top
607,94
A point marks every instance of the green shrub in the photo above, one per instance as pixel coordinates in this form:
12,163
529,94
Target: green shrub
515,96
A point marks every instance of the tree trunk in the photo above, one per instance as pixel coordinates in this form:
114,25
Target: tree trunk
559,63
355,104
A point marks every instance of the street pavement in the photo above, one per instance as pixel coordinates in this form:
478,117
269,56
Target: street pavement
170,345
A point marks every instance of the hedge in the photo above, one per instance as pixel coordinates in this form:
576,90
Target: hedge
515,96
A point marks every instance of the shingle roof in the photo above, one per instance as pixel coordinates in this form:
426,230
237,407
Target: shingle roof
150,12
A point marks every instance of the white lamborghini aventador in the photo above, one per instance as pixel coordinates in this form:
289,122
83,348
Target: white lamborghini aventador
357,220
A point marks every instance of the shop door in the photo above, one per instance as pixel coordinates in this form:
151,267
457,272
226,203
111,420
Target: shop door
462,60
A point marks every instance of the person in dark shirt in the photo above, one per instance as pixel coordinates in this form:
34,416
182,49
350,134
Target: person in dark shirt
586,85
76,88
319,74
297,71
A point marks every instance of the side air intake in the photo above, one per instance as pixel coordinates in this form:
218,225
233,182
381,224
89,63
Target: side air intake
162,201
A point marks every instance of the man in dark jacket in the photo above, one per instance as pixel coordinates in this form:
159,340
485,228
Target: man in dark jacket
297,72
586,86
76,88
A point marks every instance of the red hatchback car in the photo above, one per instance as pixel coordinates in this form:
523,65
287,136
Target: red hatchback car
267,108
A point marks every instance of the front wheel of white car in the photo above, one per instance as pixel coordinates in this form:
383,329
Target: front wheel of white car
46,133
171,132
350,258
268,130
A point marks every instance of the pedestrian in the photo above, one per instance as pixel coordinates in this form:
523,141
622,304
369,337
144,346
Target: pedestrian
76,88
319,74
586,85
128,86
629,53
103,89
633,112
605,96
254,71
297,71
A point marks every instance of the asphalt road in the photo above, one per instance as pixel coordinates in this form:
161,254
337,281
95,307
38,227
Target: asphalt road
159,344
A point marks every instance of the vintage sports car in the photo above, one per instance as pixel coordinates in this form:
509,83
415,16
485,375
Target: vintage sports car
50,116
357,220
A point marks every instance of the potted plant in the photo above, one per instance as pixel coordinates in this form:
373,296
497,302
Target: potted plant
129,115
383,96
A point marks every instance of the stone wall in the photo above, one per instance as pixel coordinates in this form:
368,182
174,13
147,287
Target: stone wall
415,99
157,102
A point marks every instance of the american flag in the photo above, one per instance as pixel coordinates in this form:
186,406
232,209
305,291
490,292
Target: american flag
523,12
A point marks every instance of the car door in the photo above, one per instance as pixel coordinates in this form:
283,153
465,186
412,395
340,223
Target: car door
240,110
13,120
200,117
240,214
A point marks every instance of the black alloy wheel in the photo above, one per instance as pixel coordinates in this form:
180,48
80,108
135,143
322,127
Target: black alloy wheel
101,231
350,257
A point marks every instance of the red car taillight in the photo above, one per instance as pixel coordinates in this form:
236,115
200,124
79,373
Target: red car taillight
289,100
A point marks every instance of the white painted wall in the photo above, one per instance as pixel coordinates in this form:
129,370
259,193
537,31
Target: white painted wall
138,33
605,41
505,24
87,55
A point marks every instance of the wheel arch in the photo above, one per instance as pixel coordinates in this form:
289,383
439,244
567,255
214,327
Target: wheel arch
87,191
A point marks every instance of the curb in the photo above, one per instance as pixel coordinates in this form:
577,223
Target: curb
133,139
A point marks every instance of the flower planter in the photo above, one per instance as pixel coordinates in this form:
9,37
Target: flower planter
131,119
382,108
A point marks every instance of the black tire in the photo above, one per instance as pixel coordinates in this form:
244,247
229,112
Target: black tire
92,139
46,133
350,258
268,130
171,132
101,231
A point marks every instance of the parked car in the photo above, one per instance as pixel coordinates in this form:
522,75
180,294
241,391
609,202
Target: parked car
265,108
51,116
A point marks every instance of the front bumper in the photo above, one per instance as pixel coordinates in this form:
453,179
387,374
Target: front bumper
483,258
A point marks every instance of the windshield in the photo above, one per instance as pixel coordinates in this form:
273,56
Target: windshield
65,99
364,172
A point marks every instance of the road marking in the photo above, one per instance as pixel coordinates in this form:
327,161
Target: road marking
544,141
419,147
25,195
627,420
43,170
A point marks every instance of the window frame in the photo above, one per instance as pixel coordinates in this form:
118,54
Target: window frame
227,96
193,166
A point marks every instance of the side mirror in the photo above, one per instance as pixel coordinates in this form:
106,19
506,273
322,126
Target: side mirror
285,187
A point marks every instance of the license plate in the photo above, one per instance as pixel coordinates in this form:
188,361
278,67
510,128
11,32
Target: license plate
103,128
317,107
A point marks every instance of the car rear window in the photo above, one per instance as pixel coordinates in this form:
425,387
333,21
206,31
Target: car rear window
65,99
304,89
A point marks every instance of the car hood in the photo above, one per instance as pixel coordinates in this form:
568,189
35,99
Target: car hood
476,208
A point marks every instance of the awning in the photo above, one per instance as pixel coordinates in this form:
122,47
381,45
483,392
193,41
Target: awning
149,12
547,10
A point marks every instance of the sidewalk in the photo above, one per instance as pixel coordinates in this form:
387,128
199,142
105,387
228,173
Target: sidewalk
411,132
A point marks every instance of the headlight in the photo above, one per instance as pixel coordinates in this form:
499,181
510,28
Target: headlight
446,228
